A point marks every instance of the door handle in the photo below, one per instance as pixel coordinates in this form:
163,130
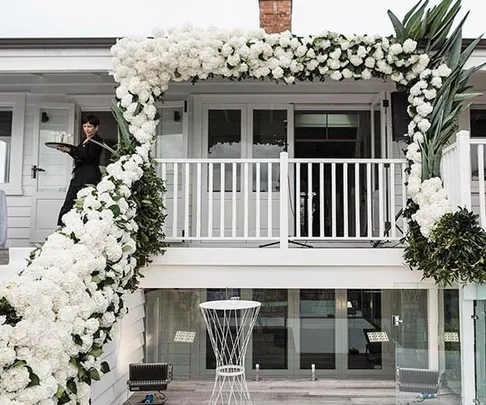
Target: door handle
396,321
34,169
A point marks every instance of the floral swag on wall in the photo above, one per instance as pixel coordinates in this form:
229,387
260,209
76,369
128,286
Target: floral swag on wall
57,315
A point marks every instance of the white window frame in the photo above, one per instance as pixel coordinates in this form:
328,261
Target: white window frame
15,101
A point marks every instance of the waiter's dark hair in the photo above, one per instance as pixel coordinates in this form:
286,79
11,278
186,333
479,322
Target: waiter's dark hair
91,119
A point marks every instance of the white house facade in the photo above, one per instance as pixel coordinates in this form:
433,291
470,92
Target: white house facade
290,195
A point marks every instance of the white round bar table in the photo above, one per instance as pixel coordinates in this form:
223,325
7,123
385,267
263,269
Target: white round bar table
229,324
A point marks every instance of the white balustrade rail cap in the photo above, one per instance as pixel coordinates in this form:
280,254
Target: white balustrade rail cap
230,304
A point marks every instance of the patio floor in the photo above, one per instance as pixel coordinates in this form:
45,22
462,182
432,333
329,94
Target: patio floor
304,392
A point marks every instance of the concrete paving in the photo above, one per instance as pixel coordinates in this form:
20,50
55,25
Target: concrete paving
305,392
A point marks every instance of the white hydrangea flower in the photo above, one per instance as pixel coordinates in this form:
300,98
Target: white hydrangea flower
409,46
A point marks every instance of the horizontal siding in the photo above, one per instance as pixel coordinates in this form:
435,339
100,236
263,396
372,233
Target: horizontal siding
125,348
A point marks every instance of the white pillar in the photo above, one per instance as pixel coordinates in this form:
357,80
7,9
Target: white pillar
464,159
468,374
284,198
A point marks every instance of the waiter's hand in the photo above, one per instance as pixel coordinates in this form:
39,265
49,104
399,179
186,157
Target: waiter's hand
63,148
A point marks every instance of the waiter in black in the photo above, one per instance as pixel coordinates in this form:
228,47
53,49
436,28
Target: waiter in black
86,162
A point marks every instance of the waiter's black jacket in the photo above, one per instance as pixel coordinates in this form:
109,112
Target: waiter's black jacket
86,162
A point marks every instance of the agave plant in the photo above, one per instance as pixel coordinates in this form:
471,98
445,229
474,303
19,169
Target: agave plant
431,28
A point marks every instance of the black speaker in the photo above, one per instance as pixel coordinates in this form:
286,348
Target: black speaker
400,117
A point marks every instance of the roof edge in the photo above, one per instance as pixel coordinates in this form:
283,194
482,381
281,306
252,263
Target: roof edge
102,43
57,43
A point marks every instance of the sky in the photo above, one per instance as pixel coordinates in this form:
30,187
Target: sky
115,18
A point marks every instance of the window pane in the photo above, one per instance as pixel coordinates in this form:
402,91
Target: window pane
269,140
317,329
270,337
364,323
478,123
54,127
170,143
5,143
217,294
224,141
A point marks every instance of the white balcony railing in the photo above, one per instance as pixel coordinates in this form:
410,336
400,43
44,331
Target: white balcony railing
463,172
282,200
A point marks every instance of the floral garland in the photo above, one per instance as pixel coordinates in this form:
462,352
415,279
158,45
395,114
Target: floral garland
146,66
57,315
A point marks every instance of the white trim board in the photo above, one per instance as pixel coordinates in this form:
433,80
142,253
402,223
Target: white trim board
321,277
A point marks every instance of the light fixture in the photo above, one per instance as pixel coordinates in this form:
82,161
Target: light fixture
349,304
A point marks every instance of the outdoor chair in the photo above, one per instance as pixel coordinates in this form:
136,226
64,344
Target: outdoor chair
145,377
422,381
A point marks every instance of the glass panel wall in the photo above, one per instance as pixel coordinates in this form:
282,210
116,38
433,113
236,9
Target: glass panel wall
167,312
410,328
342,332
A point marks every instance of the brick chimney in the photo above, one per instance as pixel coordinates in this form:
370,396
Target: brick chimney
275,15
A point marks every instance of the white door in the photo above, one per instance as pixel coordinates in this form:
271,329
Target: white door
51,169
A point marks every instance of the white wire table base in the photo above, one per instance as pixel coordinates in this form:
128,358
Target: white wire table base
229,324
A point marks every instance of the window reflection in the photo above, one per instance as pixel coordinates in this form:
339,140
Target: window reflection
269,140
364,317
54,123
217,294
224,142
317,329
170,141
5,143
270,337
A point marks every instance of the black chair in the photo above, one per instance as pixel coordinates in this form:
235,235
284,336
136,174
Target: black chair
373,348
150,377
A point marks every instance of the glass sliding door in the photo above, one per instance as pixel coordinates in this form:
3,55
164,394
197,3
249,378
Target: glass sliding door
449,338
366,335
317,329
217,294
270,334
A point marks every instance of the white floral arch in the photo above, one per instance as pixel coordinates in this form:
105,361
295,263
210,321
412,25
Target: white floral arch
58,314
144,68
